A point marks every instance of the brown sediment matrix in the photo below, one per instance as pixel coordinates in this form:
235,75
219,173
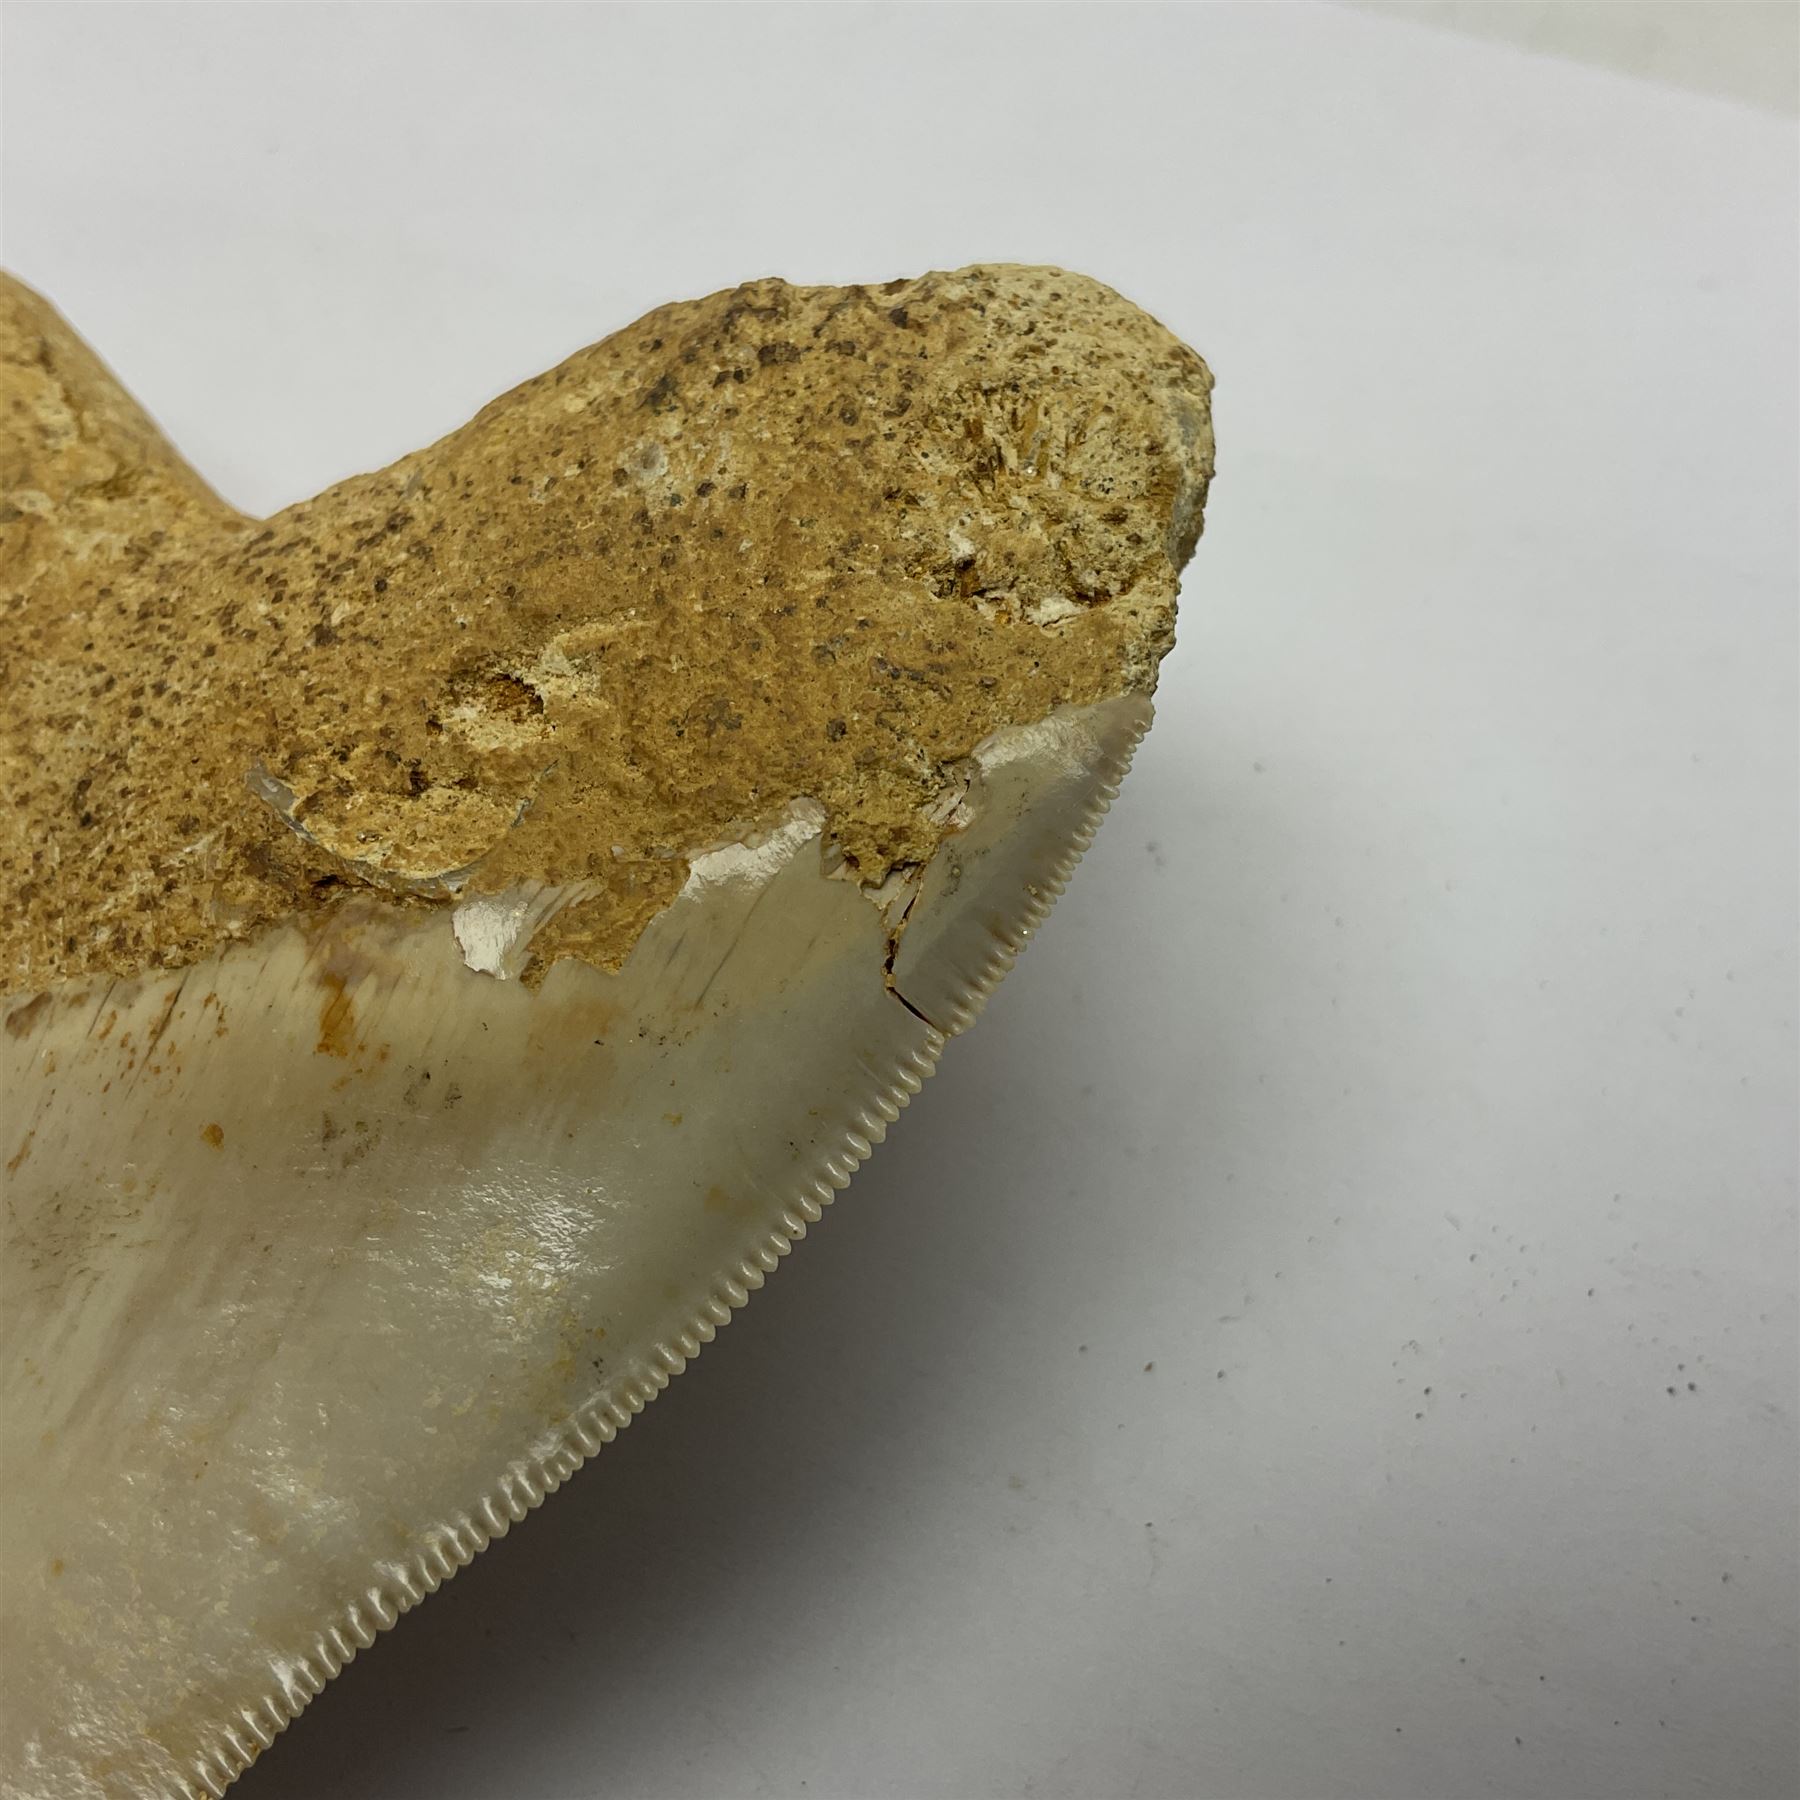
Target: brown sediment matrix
777,543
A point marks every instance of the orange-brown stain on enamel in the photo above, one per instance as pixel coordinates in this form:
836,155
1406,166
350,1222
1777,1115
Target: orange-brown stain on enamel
337,1016
777,542
214,1135
21,1019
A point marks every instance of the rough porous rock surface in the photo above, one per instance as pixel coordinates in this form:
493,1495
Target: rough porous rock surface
779,542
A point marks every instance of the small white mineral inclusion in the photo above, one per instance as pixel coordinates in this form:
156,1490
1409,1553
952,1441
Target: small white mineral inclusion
488,931
757,856
494,931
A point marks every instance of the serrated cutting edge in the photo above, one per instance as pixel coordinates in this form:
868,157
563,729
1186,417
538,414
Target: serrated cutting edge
355,1224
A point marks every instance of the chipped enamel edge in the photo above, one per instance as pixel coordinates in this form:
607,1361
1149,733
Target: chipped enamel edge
237,1743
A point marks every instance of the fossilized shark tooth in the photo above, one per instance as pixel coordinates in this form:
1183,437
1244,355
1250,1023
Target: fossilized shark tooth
461,931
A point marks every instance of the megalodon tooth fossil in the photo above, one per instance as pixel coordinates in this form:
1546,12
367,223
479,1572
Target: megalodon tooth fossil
459,932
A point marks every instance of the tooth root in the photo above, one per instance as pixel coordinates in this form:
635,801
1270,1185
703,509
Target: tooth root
454,657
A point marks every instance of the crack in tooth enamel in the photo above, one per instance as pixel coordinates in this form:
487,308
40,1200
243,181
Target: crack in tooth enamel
597,1424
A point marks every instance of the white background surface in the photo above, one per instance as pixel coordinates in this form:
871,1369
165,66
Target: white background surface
1409,1076
1748,49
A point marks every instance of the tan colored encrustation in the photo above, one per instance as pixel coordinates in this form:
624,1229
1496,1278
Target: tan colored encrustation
438,974
778,542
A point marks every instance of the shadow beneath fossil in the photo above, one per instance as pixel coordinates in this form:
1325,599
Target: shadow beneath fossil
689,1518
656,1587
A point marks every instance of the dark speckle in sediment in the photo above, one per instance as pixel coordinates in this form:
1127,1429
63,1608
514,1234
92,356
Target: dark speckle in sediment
635,611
